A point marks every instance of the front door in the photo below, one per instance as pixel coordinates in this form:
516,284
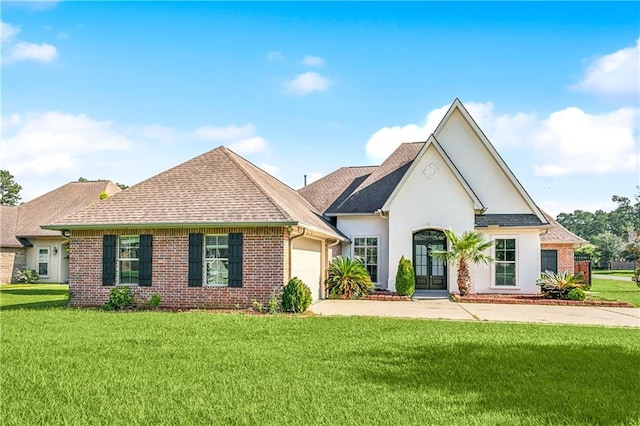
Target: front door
431,273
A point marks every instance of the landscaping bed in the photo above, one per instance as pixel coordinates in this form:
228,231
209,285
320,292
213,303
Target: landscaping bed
534,299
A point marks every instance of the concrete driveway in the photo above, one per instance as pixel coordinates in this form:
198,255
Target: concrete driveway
446,309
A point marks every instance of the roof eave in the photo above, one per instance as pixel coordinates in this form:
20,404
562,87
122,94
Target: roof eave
166,225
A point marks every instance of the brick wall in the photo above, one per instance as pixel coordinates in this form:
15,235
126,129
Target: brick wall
11,260
565,255
265,267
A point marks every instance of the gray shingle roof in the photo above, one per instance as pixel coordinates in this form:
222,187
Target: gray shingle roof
24,221
57,204
365,193
217,187
507,220
8,220
558,234
335,187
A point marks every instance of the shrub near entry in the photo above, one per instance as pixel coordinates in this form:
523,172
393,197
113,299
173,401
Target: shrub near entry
405,278
296,296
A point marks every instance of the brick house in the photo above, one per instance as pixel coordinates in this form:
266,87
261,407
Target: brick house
214,232
25,245
557,247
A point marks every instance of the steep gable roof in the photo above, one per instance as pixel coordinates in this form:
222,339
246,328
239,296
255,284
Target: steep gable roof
458,106
373,192
56,204
335,187
558,234
432,141
216,188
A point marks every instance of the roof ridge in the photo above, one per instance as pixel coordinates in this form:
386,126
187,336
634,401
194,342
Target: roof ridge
260,188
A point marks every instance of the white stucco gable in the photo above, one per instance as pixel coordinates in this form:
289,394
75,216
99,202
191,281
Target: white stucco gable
431,161
481,165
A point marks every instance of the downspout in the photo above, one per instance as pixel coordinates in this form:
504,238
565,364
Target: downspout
304,231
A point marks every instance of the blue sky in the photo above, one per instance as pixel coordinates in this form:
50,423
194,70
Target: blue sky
125,90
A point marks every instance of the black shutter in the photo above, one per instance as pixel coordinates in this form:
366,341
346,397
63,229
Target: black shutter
108,260
235,260
195,260
145,263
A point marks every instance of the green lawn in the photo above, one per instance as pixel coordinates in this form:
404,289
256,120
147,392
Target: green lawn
71,366
33,296
621,273
603,289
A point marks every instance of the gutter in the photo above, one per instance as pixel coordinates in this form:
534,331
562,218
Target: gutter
171,225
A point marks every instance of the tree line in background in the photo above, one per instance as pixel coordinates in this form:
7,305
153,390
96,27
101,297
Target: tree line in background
613,235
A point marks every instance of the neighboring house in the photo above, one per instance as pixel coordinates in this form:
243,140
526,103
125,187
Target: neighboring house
455,180
215,231
25,245
557,248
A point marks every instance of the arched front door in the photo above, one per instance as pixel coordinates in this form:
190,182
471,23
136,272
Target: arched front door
431,273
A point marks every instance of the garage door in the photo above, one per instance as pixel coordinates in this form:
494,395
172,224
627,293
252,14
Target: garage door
306,264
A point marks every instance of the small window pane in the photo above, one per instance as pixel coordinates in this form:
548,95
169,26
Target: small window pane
500,244
511,244
372,241
359,241
510,256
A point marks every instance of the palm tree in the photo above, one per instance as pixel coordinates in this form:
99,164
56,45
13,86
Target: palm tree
348,277
469,247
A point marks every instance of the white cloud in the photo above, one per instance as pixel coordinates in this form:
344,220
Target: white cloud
24,51
614,75
270,168
313,61
312,177
306,83
502,129
225,133
53,141
275,55
249,146
9,121
582,143
568,142
8,31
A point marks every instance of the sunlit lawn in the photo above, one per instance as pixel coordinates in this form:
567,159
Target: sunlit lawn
21,296
70,366
620,273
603,289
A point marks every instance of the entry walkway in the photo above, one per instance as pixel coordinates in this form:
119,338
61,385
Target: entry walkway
446,309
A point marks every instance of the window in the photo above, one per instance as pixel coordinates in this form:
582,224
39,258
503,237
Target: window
505,249
43,262
365,249
216,259
129,259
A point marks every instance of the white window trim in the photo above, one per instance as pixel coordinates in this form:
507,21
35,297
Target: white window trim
204,260
118,283
493,285
353,251
48,249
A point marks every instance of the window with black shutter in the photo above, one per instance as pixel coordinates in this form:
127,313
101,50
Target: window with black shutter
108,260
146,250
235,260
195,260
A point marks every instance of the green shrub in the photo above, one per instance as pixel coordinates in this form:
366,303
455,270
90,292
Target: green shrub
296,296
576,294
155,300
274,302
27,276
348,278
558,285
405,278
120,298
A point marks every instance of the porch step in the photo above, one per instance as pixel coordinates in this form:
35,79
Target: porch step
430,294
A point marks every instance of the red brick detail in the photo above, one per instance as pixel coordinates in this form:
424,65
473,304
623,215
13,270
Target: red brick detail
565,255
265,268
